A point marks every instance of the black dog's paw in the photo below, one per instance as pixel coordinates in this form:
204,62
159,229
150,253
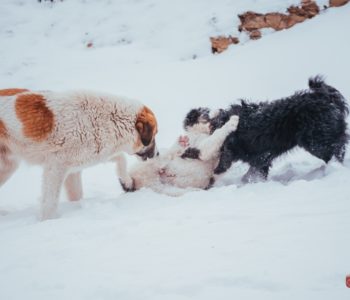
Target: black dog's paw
128,187
218,171
221,169
191,153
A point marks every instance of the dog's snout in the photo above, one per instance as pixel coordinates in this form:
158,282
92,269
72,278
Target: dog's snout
148,152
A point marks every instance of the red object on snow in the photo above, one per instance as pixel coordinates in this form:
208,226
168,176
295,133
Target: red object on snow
347,281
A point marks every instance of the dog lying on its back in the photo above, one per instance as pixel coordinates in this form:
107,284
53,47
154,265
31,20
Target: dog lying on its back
313,119
171,174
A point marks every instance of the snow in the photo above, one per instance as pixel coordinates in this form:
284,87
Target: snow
283,239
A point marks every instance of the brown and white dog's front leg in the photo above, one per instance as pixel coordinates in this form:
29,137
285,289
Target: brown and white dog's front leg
126,181
210,146
74,187
53,178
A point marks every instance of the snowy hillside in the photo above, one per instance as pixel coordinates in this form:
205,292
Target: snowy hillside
287,238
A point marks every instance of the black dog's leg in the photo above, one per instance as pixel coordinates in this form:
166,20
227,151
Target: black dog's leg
340,153
324,153
210,146
255,174
226,159
340,148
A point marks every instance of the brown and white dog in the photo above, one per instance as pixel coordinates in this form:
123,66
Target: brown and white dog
66,132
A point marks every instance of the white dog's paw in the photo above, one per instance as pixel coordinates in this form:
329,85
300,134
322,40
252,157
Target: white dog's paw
233,123
128,184
184,141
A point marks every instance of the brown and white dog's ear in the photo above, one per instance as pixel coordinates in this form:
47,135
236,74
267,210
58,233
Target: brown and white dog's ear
146,125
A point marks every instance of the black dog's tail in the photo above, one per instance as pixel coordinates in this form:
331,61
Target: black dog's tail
318,85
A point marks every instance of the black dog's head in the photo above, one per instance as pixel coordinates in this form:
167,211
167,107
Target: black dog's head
197,119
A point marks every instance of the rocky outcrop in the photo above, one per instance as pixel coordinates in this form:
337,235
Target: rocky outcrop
252,22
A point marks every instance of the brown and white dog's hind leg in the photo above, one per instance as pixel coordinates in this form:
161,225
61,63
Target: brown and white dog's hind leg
53,178
74,187
121,167
8,164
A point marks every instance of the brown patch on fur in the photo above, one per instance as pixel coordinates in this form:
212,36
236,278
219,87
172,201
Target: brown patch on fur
146,125
3,130
12,92
37,119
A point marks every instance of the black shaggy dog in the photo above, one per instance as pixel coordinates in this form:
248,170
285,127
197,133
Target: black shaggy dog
313,119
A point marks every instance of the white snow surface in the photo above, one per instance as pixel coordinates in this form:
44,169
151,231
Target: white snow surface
287,238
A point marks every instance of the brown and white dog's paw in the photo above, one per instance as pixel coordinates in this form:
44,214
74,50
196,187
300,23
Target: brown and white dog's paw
128,185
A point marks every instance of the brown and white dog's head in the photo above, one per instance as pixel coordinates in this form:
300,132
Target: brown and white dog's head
147,128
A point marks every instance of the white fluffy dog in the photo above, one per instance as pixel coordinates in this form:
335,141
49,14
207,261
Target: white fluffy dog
173,175
66,132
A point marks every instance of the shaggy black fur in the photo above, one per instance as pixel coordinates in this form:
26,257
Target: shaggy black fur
313,119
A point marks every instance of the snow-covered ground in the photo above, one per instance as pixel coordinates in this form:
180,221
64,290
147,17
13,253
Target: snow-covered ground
287,238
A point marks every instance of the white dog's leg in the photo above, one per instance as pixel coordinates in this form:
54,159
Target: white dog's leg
8,165
122,172
211,145
53,178
74,186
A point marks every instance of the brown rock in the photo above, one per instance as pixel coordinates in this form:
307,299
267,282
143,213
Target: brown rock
276,21
336,3
251,21
255,35
294,19
307,10
221,43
